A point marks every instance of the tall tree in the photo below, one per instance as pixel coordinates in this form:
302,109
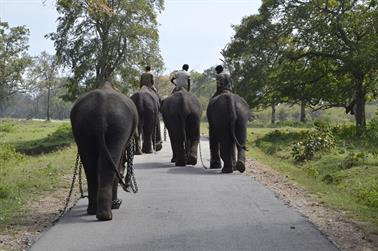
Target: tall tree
44,75
103,39
13,59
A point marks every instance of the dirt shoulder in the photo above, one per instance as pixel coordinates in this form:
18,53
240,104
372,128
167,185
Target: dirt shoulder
41,214
347,234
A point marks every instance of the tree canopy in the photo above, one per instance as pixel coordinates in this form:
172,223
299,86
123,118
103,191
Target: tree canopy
13,59
100,40
320,52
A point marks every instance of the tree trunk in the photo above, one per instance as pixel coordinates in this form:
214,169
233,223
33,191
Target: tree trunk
303,112
359,112
48,103
273,119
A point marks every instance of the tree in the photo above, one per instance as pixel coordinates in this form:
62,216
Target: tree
44,76
101,40
254,55
13,59
343,36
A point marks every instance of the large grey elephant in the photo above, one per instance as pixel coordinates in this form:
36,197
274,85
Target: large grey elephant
227,114
148,106
182,115
103,121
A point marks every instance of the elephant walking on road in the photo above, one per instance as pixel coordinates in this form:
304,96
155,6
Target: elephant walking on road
103,121
148,106
182,115
227,114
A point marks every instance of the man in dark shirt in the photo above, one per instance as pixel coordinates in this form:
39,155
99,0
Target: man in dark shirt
147,79
223,79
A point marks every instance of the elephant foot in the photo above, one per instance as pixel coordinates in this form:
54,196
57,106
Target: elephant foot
158,146
147,151
240,166
104,216
116,203
192,161
227,170
91,211
180,163
216,164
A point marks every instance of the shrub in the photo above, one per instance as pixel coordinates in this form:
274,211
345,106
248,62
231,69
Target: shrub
7,126
8,153
367,193
351,160
313,144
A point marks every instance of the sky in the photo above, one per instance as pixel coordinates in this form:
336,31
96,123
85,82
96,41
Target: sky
191,31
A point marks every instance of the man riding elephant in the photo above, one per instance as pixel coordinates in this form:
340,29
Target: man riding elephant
227,114
148,106
182,115
103,122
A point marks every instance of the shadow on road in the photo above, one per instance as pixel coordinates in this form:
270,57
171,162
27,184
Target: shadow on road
192,170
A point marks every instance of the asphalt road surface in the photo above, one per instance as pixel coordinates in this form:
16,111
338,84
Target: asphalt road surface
187,208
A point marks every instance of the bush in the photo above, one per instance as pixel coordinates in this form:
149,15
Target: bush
9,153
352,159
313,144
7,126
367,193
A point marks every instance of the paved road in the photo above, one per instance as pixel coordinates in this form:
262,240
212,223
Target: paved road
188,208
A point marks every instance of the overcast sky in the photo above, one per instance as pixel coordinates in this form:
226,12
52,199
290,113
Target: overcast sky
191,31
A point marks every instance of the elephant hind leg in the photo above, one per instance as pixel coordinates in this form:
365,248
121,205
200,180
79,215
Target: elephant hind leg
241,136
226,152
88,155
215,162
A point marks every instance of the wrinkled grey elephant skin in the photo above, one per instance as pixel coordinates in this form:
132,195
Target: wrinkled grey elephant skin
182,115
227,114
103,121
148,106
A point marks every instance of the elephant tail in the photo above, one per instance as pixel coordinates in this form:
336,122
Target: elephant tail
233,117
108,156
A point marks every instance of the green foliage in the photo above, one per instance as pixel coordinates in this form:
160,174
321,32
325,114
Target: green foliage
308,52
7,126
14,60
313,144
8,153
352,159
101,39
367,192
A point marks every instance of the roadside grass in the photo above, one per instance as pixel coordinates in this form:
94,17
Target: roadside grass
345,178
25,177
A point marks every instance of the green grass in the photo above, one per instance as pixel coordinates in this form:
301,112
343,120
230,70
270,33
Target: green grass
25,177
345,178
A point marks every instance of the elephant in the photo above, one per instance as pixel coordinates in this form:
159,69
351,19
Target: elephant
103,121
148,106
182,115
227,115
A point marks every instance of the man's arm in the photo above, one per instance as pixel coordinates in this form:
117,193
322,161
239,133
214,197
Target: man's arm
188,84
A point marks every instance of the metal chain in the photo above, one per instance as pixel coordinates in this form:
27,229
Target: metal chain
130,179
68,198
